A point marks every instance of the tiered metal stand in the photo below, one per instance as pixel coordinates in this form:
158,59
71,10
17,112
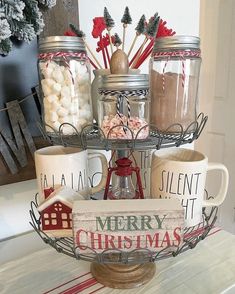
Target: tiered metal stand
92,137
118,269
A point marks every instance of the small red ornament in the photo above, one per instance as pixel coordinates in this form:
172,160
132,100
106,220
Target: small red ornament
104,42
163,31
56,211
98,26
123,187
70,33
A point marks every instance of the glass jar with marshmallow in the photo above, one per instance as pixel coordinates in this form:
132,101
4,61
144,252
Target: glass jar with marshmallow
64,74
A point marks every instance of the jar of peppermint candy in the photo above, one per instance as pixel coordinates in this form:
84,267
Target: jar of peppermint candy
64,74
124,106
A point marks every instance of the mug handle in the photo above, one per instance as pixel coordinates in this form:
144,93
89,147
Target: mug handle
104,164
223,188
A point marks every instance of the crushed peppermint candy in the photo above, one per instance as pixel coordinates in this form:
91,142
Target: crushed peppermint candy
122,127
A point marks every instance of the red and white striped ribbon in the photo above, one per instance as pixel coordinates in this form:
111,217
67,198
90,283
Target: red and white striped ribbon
180,53
49,57
163,74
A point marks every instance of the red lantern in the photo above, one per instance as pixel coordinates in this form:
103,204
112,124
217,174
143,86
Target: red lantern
123,187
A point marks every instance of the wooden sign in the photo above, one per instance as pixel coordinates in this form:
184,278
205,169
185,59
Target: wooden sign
127,225
17,147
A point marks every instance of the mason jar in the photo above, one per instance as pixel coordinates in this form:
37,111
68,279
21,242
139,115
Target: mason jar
64,75
124,106
174,76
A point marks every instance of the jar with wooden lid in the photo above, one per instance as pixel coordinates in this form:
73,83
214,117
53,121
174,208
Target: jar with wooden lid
64,74
174,77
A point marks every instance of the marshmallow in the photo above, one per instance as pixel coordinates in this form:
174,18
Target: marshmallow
55,105
47,105
53,116
65,91
65,102
74,106
58,76
83,78
81,103
56,88
52,98
81,68
86,97
46,90
67,130
68,119
81,122
87,107
52,64
47,72
84,88
48,82
85,114
47,119
42,65
67,76
56,125
62,111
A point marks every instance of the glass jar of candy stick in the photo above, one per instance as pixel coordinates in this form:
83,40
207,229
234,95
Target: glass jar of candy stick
124,106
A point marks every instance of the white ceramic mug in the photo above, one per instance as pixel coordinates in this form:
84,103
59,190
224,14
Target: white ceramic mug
181,173
57,166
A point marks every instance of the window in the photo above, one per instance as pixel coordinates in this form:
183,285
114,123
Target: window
51,219
64,215
54,221
65,224
58,206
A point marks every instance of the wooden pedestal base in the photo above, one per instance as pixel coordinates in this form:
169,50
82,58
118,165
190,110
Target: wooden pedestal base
121,276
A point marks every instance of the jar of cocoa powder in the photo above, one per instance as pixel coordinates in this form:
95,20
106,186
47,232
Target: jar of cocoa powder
174,76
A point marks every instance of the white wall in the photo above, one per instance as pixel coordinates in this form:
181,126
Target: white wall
217,89
182,16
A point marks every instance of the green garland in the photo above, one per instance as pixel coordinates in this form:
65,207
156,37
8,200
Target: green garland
22,20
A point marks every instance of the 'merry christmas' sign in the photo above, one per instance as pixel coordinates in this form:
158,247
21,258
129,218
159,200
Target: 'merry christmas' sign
127,225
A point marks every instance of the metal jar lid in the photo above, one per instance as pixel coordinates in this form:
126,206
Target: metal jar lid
125,82
176,43
61,43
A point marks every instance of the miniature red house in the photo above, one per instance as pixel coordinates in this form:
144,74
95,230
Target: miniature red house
56,212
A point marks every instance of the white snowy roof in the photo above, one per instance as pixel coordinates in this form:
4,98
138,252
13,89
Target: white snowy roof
64,194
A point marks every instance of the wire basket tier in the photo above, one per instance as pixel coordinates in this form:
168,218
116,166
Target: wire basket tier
92,137
192,236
